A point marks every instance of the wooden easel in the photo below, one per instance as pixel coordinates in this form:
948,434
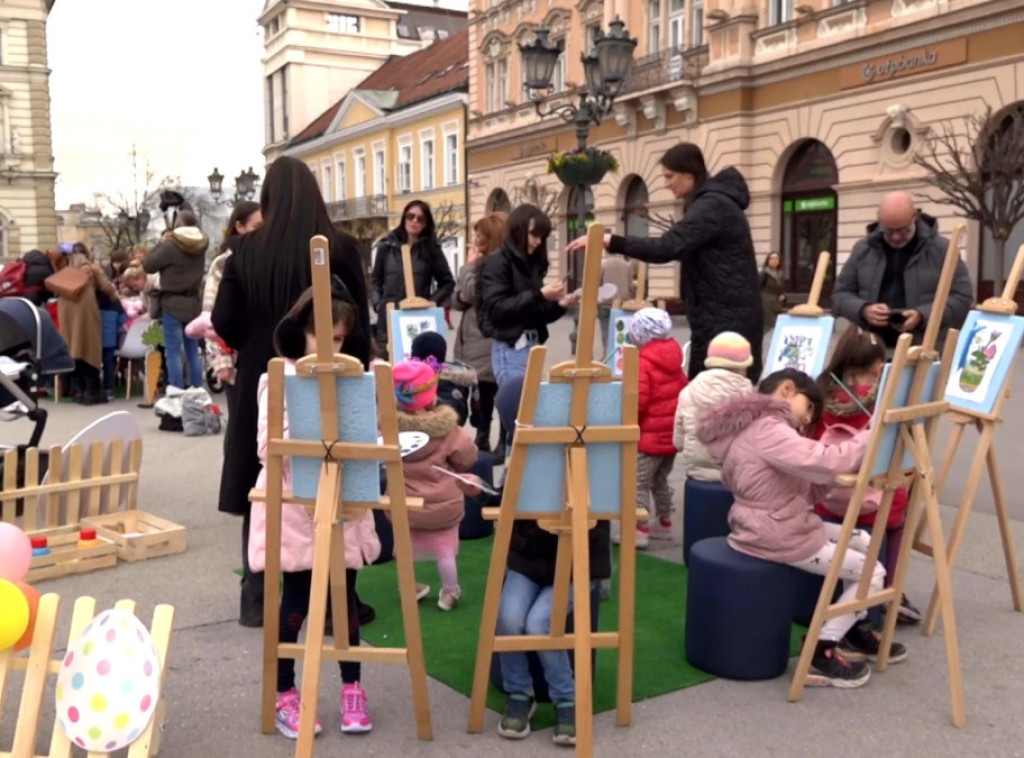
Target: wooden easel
808,312
640,300
984,456
811,307
914,420
572,521
411,302
329,514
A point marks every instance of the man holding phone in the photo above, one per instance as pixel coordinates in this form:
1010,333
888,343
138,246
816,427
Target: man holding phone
889,281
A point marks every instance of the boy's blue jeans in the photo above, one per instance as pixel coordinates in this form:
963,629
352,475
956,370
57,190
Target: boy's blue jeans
175,342
525,608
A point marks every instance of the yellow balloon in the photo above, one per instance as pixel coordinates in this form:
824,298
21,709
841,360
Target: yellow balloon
14,614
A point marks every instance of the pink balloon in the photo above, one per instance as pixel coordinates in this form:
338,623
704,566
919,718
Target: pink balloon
15,552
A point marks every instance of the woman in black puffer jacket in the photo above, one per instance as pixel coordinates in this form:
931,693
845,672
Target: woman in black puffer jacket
515,304
432,277
712,243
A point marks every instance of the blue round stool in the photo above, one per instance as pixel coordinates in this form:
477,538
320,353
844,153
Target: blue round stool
738,611
705,513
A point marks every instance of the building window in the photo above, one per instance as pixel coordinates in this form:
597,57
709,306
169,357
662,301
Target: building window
405,168
379,176
343,22
274,26
502,86
560,75
360,174
697,22
780,11
328,184
676,24
490,86
654,26
340,194
591,37
270,110
451,159
427,164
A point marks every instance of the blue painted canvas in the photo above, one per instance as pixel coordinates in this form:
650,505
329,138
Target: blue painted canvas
891,433
801,343
618,337
544,473
357,422
406,325
982,361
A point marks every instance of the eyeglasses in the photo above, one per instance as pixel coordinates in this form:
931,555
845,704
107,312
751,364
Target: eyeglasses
415,217
903,231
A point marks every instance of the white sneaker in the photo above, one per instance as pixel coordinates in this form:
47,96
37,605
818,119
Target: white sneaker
643,537
616,532
661,530
447,600
422,590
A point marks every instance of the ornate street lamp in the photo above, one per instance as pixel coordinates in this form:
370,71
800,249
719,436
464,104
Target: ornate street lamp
216,180
245,184
539,61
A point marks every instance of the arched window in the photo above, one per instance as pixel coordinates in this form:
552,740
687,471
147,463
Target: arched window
578,204
635,209
809,216
498,201
998,152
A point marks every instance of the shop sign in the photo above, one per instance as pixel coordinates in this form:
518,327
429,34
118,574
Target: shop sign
905,63
814,204
533,148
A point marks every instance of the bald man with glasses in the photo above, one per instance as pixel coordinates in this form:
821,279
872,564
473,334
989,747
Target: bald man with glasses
889,281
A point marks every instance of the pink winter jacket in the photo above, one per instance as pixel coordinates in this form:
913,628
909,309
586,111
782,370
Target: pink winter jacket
450,447
775,475
361,543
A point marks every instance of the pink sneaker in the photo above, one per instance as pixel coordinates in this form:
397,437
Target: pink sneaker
287,707
354,717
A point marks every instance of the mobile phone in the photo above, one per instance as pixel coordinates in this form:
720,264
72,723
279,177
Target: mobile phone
896,318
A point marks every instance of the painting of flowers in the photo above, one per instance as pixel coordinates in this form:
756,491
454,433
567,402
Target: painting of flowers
984,354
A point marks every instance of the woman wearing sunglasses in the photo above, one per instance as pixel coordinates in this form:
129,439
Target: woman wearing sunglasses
431,275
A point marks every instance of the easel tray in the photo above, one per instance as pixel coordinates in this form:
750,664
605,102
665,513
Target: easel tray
138,535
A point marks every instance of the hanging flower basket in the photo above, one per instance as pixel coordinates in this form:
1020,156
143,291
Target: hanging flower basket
587,166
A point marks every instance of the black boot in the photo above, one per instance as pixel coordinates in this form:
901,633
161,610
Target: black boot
483,440
250,612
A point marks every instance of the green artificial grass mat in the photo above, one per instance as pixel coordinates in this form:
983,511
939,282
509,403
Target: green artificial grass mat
450,638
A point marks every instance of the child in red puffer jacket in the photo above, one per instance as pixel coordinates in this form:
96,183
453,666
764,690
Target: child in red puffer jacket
661,381
855,369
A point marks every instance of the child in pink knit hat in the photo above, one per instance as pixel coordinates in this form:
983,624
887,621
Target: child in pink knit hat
435,529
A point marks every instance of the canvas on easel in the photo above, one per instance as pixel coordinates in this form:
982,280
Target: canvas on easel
801,337
907,410
572,463
334,410
976,391
413,316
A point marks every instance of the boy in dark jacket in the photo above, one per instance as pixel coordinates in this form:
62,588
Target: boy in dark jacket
457,381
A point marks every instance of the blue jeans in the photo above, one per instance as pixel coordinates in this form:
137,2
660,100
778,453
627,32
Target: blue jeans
508,362
525,608
174,342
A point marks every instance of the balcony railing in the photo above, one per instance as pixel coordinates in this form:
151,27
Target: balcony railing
358,207
666,67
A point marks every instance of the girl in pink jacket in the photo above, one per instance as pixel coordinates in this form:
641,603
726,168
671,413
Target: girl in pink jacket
294,339
435,529
776,475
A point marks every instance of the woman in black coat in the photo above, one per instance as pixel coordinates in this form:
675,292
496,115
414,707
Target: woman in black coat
264,277
515,304
431,276
712,242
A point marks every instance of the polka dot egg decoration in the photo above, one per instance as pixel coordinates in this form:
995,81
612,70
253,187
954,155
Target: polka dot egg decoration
109,683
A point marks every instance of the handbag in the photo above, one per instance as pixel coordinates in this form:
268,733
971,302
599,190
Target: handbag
70,282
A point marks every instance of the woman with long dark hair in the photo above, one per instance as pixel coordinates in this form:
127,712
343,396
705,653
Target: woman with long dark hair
431,275
713,245
267,273
515,304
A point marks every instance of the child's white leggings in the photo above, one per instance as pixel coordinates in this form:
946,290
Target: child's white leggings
853,564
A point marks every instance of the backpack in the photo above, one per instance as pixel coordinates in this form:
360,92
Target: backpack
12,281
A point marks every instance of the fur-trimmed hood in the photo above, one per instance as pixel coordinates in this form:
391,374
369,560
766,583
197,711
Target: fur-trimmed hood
720,425
458,373
436,423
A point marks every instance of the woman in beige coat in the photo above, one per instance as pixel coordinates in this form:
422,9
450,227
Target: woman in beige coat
82,328
471,346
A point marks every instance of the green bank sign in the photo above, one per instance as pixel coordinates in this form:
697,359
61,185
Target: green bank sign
809,204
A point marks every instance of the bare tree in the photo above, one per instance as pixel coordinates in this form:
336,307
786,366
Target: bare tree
124,212
980,171
544,196
448,223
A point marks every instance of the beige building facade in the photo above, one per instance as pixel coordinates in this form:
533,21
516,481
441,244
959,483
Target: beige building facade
821,104
27,216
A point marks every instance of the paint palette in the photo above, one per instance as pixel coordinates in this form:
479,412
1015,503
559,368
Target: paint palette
410,442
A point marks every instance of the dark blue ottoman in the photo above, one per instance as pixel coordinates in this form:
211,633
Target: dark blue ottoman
540,684
473,525
738,612
705,513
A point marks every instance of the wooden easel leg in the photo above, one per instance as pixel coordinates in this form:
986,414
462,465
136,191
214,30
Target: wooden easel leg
627,613
943,471
327,499
579,497
956,535
1009,552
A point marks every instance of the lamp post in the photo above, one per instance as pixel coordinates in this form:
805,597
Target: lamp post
245,185
126,222
605,67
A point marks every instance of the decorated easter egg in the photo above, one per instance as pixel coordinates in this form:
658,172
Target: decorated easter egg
109,683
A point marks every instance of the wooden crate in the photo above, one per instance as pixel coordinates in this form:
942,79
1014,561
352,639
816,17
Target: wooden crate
66,557
138,535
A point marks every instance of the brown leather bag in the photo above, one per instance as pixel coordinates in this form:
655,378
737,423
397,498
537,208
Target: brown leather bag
70,282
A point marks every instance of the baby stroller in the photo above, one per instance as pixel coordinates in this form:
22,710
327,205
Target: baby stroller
30,348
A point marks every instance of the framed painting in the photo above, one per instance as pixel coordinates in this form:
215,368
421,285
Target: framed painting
890,433
619,322
981,364
407,325
801,343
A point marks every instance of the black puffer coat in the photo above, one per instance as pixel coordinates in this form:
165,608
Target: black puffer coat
533,551
431,276
720,283
38,267
508,288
